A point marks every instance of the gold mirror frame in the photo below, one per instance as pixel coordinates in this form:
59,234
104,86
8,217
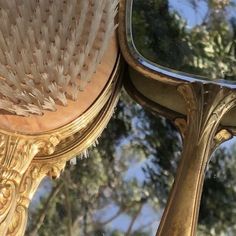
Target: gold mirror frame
203,111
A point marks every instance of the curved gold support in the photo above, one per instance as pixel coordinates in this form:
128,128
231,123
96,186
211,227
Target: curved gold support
28,186
206,105
16,154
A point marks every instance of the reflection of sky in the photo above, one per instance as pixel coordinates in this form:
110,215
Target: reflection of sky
195,16
185,9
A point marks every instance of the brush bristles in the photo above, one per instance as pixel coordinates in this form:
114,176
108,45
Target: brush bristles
49,50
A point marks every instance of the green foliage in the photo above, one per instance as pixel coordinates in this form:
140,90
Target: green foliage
161,34
218,207
158,33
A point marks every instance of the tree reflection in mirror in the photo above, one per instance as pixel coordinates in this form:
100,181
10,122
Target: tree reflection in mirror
192,36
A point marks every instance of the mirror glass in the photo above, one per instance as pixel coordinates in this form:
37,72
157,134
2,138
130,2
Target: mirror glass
197,37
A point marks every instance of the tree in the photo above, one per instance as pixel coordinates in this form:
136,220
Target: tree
99,181
162,35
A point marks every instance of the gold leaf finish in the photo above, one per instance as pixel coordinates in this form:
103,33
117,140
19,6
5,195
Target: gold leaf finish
28,186
206,104
16,155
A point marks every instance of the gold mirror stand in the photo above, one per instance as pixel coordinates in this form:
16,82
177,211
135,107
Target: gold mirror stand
202,132
206,105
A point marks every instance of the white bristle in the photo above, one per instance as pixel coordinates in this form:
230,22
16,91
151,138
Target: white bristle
49,104
85,154
74,92
2,57
3,44
5,27
95,143
73,161
49,50
19,110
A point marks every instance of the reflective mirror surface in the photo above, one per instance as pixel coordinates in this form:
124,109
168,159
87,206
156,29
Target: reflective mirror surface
197,37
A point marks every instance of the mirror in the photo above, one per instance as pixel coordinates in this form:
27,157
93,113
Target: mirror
153,52
195,38
181,57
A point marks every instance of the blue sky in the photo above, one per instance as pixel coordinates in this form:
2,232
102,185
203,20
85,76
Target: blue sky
185,9
195,16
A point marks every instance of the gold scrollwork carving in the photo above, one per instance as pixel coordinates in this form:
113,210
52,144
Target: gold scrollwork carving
18,179
28,186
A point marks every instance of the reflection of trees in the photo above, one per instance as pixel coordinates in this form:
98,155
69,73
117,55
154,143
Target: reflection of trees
207,49
156,32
